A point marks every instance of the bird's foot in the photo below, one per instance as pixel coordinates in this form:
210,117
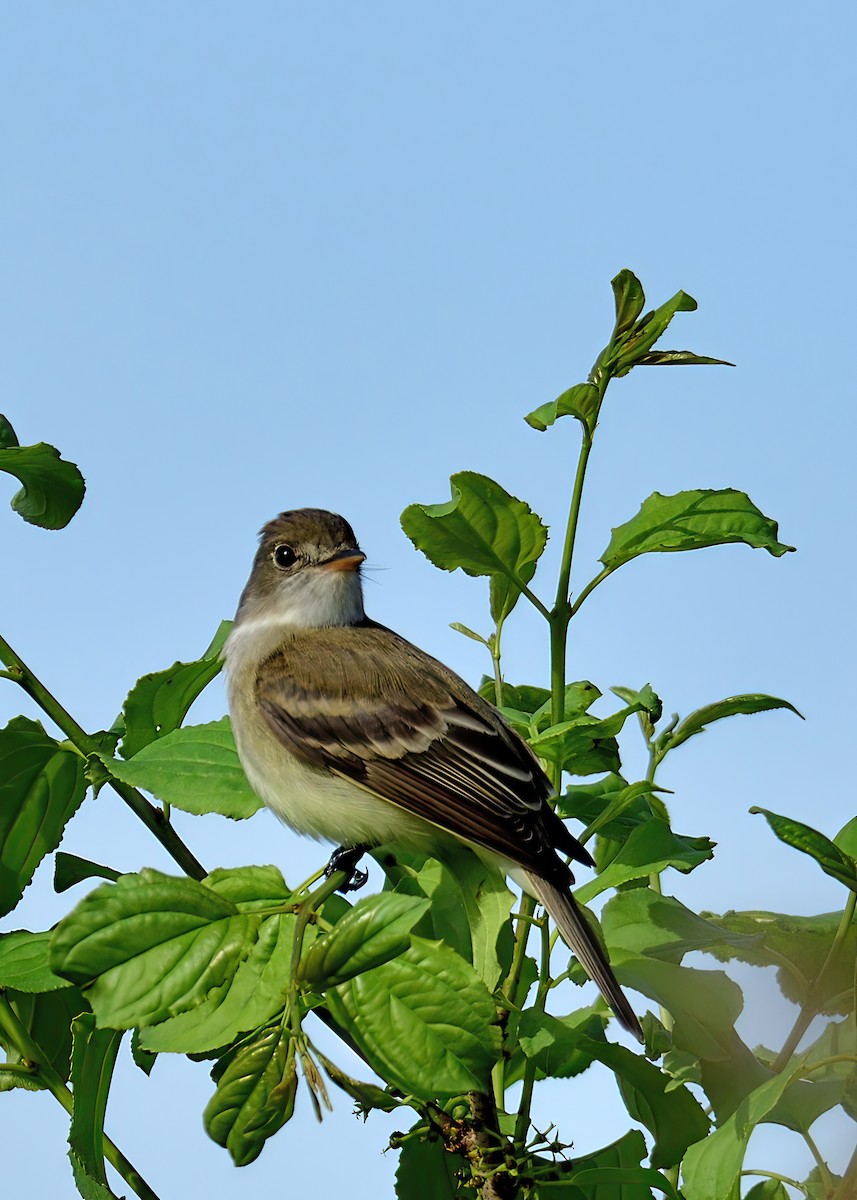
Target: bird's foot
346,858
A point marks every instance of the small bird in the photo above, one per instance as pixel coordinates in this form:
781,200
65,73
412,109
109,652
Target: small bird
352,734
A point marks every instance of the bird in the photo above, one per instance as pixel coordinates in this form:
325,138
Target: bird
352,734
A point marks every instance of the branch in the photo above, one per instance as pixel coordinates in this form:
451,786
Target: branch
153,818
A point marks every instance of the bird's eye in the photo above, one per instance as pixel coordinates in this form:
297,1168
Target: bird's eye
284,556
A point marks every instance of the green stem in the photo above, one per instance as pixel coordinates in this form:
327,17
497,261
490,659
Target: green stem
522,1123
494,647
809,1009
590,588
153,818
19,1037
823,1169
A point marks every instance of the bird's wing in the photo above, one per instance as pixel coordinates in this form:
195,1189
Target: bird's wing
409,730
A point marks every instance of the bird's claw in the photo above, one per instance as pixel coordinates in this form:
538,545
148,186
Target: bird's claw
346,858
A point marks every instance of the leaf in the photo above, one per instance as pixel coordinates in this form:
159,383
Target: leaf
159,702
88,1188
366,1095
69,870
711,1167
689,521
626,799
768,1189
671,1114
524,697
559,1181
630,299
465,885
827,854
371,933
669,358
846,839
42,785
255,1096
47,1017
650,849
644,922
482,530
195,769
798,947
93,1059
730,707
561,1047
580,401
24,962
426,1171
626,1177
150,946
704,1005
425,1021
630,348
52,488
585,802
8,437
144,1059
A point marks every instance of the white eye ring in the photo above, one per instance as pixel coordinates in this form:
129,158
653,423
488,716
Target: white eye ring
284,557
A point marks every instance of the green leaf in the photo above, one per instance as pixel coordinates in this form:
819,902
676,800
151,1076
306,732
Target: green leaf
689,521
466,885
580,401
846,839
559,1181
628,799
8,437
93,1059
630,348
24,962
712,1167
88,1188
730,707
426,1171
585,802
630,299
366,1095
425,1021
69,870
669,358
52,489
524,698
768,1189
371,933
159,702
642,921
704,1005
144,1059
798,947
830,858
670,1113
483,531
626,1177
255,1096
195,769
42,785
150,946
650,849
47,1017
561,1047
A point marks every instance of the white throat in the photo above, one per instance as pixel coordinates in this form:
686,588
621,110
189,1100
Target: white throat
311,600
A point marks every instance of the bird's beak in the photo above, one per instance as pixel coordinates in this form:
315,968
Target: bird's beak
345,560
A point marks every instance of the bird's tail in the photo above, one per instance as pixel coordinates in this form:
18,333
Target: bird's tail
579,937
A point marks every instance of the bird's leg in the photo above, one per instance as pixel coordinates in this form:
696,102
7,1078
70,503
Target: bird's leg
346,858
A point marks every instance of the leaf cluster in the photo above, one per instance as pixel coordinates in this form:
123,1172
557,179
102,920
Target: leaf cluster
454,992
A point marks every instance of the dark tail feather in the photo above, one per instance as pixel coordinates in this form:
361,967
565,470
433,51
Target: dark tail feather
579,937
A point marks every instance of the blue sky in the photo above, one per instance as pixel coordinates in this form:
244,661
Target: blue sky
286,254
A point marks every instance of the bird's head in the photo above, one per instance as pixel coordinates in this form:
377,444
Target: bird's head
306,572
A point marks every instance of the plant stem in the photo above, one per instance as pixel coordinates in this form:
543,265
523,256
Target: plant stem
561,612
523,1122
153,818
809,1009
18,1036
779,1178
823,1169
